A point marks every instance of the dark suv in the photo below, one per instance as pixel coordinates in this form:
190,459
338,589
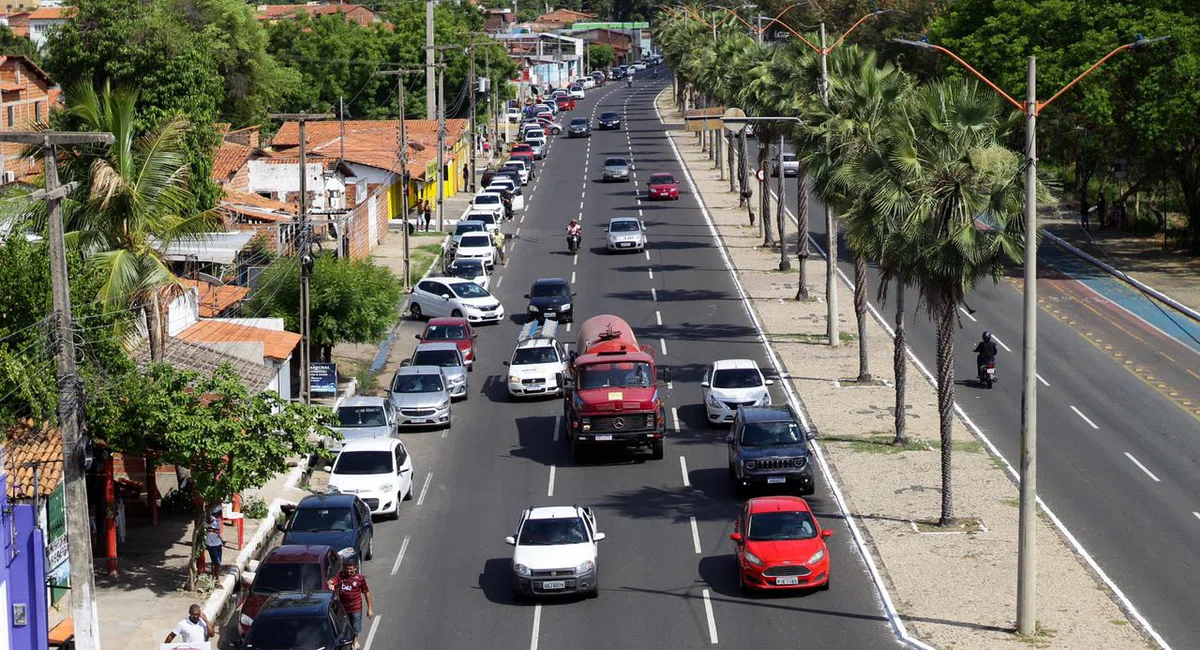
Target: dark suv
301,621
769,447
340,521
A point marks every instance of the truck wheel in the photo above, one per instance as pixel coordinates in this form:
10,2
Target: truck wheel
577,452
656,450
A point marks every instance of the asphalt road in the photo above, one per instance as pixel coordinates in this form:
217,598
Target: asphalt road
440,576
1118,421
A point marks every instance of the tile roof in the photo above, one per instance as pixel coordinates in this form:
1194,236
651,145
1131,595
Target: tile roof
197,358
229,158
215,299
52,13
564,16
276,344
271,12
26,442
29,65
372,142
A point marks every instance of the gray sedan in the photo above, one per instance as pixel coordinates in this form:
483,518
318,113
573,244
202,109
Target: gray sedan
420,396
449,358
617,169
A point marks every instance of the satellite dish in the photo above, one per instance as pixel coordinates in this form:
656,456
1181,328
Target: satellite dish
204,277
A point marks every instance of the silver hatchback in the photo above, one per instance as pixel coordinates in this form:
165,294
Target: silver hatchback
449,358
617,169
363,418
421,397
625,234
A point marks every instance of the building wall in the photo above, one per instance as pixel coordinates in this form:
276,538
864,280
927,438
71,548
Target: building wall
22,573
282,180
38,29
19,111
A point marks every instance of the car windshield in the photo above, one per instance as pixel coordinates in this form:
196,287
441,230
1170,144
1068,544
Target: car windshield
579,121
737,378
364,462
468,290
780,526
662,179
615,162
287,576
766,434
422,383
547,532
443,358
549,290
605,375
445,333
467,227
361,416
289,633
487,199
476,241
468,269
624,225
316,520
609,116
529,356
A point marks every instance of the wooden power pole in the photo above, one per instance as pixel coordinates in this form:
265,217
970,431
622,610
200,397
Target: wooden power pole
402,157
70,386
304,249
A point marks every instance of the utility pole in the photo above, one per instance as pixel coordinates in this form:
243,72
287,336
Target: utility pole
430,97
830,223
491,99
784,263
342,129
402,157
441,135
304,239
474,88
70,386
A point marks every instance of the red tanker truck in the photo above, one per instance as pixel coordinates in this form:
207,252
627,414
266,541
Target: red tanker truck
611,397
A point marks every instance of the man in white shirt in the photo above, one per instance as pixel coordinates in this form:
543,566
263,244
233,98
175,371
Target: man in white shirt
193,629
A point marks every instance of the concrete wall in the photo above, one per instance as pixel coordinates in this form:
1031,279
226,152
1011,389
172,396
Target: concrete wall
282,179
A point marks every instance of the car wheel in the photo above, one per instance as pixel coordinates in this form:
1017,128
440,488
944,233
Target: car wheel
396,513
408,495
656,450
739,490
456,313
369,551
732,473
825,585
595,592
415,310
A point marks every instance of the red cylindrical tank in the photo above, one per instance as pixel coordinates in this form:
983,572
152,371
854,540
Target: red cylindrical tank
606,333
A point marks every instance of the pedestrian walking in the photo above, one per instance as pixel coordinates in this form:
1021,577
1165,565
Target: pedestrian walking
498,241
194,628
213,541
427,212
351,588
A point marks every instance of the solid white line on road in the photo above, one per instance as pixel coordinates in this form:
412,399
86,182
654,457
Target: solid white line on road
371,634
557,426
498,281
658,317
651,271
675,418
572,281
1044,382
400,557
663,344
997,339
647,254
653,294
968,315
537,623
550,491
695,535
425,488
1142,467
687,482
712,621
1085,418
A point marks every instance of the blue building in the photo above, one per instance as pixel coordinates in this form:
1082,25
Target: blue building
23,622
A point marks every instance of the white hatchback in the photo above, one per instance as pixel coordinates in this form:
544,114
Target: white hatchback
454,297
379,471
476,246
488,202
732,383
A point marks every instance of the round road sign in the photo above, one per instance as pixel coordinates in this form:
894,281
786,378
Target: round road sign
761,175
734,114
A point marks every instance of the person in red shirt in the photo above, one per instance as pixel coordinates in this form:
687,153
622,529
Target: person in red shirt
351,588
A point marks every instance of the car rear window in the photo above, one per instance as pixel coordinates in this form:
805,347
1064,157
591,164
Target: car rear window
443,358
287,576
361,416
486,199
467,227
364,462
475,241
662,179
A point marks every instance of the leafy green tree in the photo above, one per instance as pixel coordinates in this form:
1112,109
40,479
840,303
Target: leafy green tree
11,44
230,439
350,301
600,56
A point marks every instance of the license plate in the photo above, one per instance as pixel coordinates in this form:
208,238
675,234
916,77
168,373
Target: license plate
604,436
554,584
787,580
418,420
776,479
624,244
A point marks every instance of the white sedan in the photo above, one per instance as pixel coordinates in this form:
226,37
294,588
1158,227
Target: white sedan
555,552
379,471
732,383
488,202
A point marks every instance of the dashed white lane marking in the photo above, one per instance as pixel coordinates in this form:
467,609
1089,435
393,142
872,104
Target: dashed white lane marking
663,344
653,294
568,327
537,623
695,535
1085,418
640,213
518,232
647,254
572,277
446,432
371,634
712,622
968,315
400,557
581,215
1142,467
997,340
687,482
557,426
581,205
1044,382
675,419
651,272
550,490
498,281
658,317
576,259
522,219
425,488
1196,513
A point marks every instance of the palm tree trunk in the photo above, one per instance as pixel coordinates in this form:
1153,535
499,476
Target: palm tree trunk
860,314
729,159
784,263
155,332
764,202
945,386
900,368
802,250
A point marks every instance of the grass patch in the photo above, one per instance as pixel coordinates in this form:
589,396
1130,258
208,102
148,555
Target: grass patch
421,259
361,371
877,443
1118,621
1011,501
1041,637
809,339
967,446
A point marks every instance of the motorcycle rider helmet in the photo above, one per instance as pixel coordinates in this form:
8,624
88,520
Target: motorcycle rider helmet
987,335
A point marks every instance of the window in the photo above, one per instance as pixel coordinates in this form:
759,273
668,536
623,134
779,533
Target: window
37,111
10,116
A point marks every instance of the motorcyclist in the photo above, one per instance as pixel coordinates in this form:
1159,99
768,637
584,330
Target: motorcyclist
986,352
574,230
630,81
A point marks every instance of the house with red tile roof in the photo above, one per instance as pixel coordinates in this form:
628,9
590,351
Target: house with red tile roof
46,19
560,19
353,13
26,95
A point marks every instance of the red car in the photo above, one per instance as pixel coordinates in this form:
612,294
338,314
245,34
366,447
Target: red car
518,147
780,545
455,330
663,186
291,567
565,103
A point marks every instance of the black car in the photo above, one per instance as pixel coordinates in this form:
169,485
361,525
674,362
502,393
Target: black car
609,120
578,128
341,521
767,448
551,298
300,621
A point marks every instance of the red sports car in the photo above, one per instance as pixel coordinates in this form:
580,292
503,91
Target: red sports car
452,330
780,545
663,186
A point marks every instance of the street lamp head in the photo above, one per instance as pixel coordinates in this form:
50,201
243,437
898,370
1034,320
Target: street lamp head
921,43
1140,41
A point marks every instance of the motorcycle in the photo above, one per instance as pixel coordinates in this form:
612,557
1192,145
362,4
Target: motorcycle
987,373
630,82
573,243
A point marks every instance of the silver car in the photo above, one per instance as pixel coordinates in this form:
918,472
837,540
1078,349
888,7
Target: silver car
420,397
364,418
617,169
625,234
790,166
449,358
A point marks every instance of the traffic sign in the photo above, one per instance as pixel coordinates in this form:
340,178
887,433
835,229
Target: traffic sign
761,174
733,113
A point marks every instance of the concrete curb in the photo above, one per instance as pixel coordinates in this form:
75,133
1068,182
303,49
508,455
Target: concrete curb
1121,275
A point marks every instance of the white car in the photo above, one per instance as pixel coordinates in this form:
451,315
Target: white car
576,91
498,184
625,234
537,367
456,297
488,202
465,227
638,67
476,246
555,552
587,83
732,383
538,144
379,471
490,221
522,171
514,115
473,270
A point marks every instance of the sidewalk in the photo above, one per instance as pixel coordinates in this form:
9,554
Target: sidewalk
950,588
